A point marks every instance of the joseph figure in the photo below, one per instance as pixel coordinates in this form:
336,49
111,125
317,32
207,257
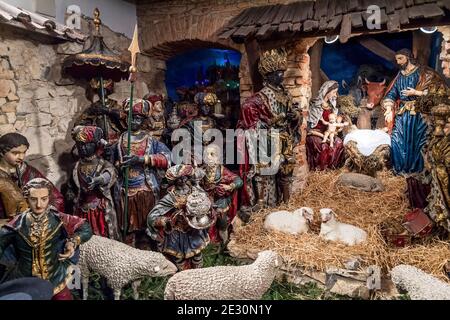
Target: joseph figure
409,126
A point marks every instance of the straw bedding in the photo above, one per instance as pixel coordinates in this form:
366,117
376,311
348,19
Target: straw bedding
372,212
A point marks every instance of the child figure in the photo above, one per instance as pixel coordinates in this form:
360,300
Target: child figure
335,125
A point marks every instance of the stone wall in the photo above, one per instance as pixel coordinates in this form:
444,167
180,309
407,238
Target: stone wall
38,102
166,25
445,52
33,103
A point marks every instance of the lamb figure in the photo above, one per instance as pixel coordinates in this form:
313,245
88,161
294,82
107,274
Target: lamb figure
294,223
419,284
331,229
247,282
120,264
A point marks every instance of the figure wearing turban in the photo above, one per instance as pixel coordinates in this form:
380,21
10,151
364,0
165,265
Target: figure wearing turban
167,223
93,179
147,157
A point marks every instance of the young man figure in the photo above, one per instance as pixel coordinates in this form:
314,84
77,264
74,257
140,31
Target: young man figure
13,168
45,240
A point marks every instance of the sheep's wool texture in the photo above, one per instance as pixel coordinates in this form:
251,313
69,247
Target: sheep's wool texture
419,284
361,182
120,263
287,222
224,282
348,234
368,140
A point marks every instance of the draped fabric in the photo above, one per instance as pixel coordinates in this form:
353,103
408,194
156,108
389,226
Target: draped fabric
401,83
409,132
181,242
315,109
417,193
320,155
408,140
96,219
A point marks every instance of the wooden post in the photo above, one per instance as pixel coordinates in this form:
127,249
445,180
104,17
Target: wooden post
421,47
316,58
253,50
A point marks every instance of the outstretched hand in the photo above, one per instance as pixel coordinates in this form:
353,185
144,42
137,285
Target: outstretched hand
93,182
69,251
411,92
131,160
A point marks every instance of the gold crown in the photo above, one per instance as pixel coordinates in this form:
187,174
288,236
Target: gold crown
210,99
272,60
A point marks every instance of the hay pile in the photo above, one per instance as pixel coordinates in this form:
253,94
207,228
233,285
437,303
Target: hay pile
370,211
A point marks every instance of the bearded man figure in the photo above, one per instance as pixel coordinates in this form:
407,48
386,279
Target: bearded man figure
409,127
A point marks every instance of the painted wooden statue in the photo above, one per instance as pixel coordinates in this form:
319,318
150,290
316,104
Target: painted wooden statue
180,220
322,155
45,240
147,156
94,179
272,117
15,173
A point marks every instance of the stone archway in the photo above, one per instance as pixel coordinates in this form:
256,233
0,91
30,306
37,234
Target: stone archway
163,52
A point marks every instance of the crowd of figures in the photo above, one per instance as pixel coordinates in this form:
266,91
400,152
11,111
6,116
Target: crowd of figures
126,186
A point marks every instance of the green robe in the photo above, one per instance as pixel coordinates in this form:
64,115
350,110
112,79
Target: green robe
39,257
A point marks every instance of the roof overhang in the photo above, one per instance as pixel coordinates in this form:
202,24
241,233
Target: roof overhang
322,18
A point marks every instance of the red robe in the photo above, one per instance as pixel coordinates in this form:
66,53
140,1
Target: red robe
253,111
320,155
216,192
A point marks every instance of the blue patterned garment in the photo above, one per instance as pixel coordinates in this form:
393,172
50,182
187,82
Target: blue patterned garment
409,132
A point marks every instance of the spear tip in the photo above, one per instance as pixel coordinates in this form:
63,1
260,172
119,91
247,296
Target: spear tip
134,46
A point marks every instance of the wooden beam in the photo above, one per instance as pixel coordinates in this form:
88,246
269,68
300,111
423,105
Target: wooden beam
378,48
315,61
324,76
346,28
393,23
252,48
421,47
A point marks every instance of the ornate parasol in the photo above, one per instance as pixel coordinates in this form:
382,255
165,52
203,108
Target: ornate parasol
97,61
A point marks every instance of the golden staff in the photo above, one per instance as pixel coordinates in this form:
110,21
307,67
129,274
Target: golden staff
134,50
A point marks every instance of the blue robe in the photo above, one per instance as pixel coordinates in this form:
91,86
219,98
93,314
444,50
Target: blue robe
409,132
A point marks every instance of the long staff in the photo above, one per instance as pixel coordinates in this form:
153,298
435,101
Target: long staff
134,49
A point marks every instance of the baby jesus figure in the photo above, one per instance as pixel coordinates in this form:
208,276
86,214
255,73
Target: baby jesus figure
335,125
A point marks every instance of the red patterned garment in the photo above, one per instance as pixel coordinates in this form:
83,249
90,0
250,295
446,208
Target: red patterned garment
320,155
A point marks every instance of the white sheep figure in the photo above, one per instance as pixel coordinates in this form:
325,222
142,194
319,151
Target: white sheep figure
419,284
294,223
331,229
120,264
247,282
